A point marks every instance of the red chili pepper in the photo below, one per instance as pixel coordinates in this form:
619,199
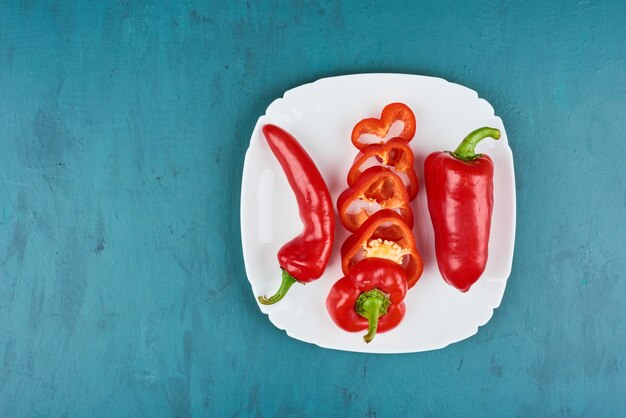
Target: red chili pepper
459,188
393,112
305,257
395,153
384,235
369,297
376,185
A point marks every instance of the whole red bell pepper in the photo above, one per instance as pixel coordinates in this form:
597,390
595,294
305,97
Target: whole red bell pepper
393,112
304,258
384,235
395,153
369,297
459,189
375,186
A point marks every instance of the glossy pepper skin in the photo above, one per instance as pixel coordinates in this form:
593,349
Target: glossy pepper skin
304,258
459,189
376,185
385,225
393,112
369,297
395,153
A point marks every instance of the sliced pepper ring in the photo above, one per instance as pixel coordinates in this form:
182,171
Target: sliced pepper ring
376,185
386,228
395,153
391,113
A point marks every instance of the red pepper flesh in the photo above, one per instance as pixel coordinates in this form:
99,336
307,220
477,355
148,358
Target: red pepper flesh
369,297
385,225
395,153
459,188
304,258
393,112
377,185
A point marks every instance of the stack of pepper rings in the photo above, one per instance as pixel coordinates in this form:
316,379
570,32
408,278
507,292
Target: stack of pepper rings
379,260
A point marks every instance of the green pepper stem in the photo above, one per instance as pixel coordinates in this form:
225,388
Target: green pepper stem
372,305
288,281
466,149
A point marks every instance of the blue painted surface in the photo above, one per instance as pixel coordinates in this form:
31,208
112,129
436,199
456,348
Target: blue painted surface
123,127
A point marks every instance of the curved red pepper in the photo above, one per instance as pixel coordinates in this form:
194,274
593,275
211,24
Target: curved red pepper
393,112
376,185
305,257
385,225
369,297
459,187
395,153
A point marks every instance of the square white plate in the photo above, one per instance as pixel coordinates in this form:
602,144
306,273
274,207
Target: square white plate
321,116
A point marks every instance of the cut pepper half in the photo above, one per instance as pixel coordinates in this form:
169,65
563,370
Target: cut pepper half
395,153
393,112
384,235
375,188
370,297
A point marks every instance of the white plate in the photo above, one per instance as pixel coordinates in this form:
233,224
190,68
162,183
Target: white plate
321,116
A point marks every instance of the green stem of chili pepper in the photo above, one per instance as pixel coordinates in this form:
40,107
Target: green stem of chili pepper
372,305
465,150
288,281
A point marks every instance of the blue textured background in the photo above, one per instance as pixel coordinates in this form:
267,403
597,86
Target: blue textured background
123,127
